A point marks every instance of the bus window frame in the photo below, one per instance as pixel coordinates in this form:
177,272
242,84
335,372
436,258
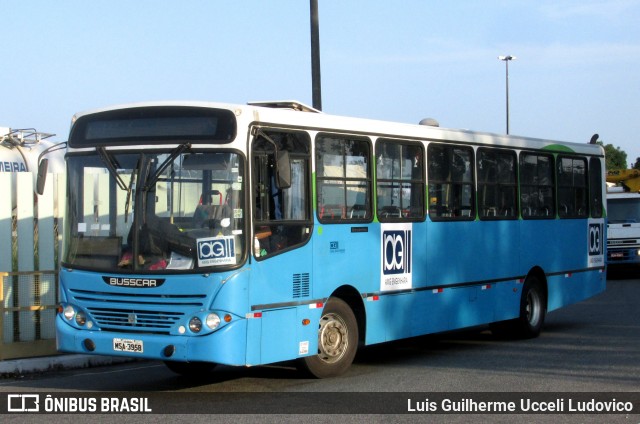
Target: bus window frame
472,184
422,182
554,209
516,185
596,198
306,223
558,166
369,181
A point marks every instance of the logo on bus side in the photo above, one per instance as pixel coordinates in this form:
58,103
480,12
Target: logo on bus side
396,256
216,251
596,243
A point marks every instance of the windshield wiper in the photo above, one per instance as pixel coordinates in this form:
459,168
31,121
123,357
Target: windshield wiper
132,180
112,167
172,156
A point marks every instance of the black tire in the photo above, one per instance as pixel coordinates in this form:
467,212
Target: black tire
337,341
190,369
533,310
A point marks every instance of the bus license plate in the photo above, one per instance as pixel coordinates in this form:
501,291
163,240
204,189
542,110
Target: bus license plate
617,254
128,345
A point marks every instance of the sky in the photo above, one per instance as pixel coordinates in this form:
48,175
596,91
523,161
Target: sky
576,73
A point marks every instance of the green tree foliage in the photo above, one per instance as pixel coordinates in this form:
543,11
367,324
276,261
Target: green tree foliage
615,158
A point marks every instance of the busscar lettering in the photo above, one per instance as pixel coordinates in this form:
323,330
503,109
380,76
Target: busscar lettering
133,282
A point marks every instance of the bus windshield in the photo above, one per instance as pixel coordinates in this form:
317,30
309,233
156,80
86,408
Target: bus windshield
623,211
155,211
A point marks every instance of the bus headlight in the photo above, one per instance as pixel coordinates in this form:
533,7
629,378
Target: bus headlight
213,321
81,318
68,312
195,324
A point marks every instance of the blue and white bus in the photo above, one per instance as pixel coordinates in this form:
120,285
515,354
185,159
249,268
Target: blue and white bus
201,233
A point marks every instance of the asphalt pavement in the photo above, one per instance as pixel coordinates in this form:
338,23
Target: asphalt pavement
17,367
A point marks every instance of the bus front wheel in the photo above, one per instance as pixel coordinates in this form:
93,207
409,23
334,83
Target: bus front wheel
337,341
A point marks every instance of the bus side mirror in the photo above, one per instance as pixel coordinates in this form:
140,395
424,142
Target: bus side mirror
42,175
283,169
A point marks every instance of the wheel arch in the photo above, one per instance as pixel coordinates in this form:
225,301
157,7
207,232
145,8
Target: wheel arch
539,274
352,297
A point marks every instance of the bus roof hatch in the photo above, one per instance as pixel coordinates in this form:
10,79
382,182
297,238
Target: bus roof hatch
285,104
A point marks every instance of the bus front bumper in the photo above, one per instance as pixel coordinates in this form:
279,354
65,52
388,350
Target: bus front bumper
623,256
225,346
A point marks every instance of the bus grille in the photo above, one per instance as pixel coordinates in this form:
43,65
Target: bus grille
139,313
135,320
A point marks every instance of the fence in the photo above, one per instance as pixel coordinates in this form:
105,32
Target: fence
30,230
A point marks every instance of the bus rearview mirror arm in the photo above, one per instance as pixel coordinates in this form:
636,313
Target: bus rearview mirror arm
43,165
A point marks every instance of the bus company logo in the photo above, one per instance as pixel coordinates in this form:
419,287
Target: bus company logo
596,242
396,252
216,251
132,282
334,247
23,403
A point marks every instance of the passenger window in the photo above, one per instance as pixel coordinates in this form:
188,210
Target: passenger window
572,187
399,181
343,179
595,187
497,185
282,216
536,186
450,176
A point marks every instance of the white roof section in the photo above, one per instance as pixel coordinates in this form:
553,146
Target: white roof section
293,114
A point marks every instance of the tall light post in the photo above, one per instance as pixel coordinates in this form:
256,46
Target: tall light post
316,89
506,60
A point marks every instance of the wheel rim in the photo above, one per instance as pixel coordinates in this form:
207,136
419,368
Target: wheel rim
533,308
333,338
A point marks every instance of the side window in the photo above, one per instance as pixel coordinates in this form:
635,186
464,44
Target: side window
572,187
497,185
595,187
343,179
399,181
536,186
450,182
282,215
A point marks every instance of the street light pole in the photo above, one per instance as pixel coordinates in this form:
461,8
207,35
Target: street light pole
506,60
316,89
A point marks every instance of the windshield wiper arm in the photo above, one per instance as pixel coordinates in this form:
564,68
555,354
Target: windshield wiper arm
111,166
156,175
132,180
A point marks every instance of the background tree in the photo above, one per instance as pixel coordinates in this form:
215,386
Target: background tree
615,158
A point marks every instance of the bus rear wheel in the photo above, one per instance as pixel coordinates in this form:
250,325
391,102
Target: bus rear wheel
190,369
337,341
533,309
